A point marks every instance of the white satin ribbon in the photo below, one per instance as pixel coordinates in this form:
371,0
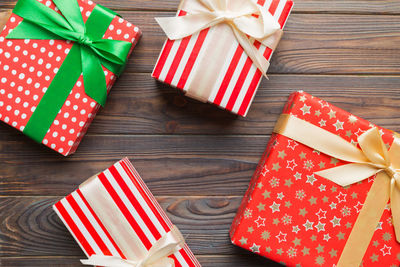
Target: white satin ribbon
238,14
157,256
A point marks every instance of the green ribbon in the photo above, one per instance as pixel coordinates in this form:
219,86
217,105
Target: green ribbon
89,52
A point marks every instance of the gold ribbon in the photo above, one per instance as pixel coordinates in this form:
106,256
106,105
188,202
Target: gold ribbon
125,238
238,14
157,256
373,158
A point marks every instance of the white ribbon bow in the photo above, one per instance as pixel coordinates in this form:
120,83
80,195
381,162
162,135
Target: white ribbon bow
157,256
248,21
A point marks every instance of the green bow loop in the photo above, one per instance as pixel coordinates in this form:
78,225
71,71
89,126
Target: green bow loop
43,23
87,56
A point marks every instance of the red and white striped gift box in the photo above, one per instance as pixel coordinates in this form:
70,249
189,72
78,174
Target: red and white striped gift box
212,61
112,209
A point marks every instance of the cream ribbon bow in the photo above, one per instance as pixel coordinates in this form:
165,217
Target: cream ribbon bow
157,256
238,14
373,158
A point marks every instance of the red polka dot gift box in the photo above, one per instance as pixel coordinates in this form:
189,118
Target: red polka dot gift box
218,51
326,191
117,222
58,61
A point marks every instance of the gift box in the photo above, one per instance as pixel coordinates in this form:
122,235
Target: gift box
213,65
58,63
117,221
319,196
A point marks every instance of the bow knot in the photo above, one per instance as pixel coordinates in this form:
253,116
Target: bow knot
84,40
238,14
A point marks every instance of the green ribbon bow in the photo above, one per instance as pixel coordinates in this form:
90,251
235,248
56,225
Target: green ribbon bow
89,52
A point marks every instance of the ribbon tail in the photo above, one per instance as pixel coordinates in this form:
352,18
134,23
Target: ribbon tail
348,174
71,12
94,79
254,54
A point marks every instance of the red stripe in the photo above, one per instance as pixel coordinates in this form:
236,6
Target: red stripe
241,80
186,257
145,197
250,92
261,2
74,228
103,247
228,75
163,58
192,58
273,6
285,13
138,207
177,263
177,60
100,223
125,211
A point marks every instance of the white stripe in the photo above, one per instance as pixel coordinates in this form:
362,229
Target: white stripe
130,207
140,199
246,85
181,260
279,9
234,79
94,223
170,59
81,227
221,77
159,56
199,56
149,194
190,254
69,229
184,60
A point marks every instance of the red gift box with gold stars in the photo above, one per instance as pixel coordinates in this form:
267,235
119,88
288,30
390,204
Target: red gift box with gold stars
292,215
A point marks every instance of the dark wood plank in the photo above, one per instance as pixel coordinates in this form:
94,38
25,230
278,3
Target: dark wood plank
140,105
342,6
170,165
31,228
247,259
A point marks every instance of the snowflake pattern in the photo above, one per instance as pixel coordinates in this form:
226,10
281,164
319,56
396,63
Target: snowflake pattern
310,217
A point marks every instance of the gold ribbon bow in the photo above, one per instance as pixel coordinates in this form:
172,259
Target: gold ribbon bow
238,14
157,256
373,158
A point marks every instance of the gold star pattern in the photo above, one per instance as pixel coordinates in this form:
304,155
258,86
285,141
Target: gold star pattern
243,240
317,113
320,260
352,119
354,195
320,248
306,109
288,182
333,253
386,236
305,251
303,98
275,166
325,199
302,155
275,221
288,204
313,200
348,225
334,161
279,251
338,125
321,165
296,242
340,235
375,243
374,257
322,123
313,238
297,176
332,114
259,185
265,235
349,133
281,154
250,230
266,194
303,212
261,207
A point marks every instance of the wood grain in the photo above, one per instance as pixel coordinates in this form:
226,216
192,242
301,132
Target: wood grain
342,6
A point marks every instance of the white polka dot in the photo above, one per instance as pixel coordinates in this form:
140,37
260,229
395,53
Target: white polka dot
66,115
81,124
9,108
9,95
70,143
51,42
29,81
77,95
25,53
4,80
71,131
12,19
14,72
83,112
129,24
39,74
93,104
35,97
47,78
21,76
17,48
27,92
136,29
119,31
67,103
42,49
16,112
58,59
31,69
53,146
88,13
64,126
14,124
18,100
62,138
12,84
16,59
40,61
6,119
33,109
9,43
48,3
37,85
48,66
56,122
35,45
23,116
1,103
59,47
75,107
126,36
120,20
55,134
73,119
79,84
6,67
7,55
84,100
26,41
55,70
26,104
66,51
33,57
45,141
51,54
21,128
24,65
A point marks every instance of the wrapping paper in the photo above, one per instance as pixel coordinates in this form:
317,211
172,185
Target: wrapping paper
28,68
212,62
291,215
110,225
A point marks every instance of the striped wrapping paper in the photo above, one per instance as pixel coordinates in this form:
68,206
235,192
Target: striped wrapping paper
212,61
118,195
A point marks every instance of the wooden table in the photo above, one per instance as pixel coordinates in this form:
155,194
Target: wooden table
196,158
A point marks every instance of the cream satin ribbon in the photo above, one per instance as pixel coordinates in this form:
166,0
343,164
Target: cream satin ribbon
157,256
373,158
238,14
